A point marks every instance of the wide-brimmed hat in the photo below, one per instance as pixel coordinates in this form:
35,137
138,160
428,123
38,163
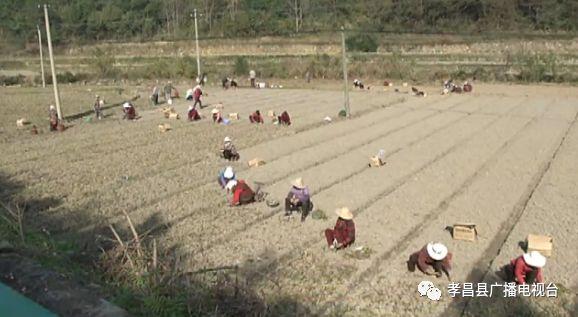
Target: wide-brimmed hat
190,107
344,213
231,184
51,107
215,111
126,105
535,259
298,183
437,251
229,173
227,139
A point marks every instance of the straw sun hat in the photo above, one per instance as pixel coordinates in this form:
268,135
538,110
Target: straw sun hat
227,139
215,111
344,213
437,251
298,183
535,259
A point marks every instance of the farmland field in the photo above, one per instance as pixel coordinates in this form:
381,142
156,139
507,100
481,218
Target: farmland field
502,157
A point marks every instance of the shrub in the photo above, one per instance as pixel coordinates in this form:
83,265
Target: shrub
361,42
12,80
241,66
103,63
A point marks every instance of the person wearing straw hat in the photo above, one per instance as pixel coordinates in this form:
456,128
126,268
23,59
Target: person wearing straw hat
242,193
432,259
217,118
229,152
343,234
525,269
53,116
129,111
298,199
225,176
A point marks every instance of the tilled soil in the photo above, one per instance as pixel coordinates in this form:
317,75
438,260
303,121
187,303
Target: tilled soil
501,157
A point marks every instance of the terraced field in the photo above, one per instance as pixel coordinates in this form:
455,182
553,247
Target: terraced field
501,157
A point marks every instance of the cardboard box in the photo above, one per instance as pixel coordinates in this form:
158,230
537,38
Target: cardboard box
374,161
234,116
465,231
256,162
164,127
540,243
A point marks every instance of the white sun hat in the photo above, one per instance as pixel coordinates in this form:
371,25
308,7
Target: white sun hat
215,111
190,107
229,173
344,213
52,107
437,251
227,139
126,105
231,184
298,183
535,259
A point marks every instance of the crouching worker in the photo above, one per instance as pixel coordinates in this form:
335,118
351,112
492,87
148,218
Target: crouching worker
193,114
225,176
242,193
53,116
217,118
256,117
129,111
284,118
432,259
298,199
525,269
343,234
229,152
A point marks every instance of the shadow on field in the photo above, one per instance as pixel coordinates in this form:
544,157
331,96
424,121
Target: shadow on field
138,275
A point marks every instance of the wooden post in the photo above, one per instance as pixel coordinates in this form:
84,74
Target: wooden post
41,57
197,46
52,67
345,84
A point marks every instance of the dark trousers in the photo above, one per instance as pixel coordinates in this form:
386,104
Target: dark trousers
198,101
304,207
228,155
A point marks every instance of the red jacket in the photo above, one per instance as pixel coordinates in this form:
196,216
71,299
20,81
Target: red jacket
256,118
521,269
197,93
243,193
344,232
284,118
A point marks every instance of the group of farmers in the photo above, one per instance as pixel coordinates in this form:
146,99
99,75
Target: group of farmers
433,258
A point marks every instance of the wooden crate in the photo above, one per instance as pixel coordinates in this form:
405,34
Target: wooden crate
541,243
464,231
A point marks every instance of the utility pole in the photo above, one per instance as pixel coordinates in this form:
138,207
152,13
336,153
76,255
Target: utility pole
346,85
52,68
41,57
197,45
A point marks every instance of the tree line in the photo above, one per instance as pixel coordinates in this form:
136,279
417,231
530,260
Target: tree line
95,20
